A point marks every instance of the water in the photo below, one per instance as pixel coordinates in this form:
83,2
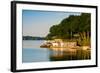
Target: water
32,52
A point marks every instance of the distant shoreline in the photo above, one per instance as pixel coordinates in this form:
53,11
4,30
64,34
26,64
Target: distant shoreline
33,38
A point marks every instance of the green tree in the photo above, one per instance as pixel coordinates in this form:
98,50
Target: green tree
72,25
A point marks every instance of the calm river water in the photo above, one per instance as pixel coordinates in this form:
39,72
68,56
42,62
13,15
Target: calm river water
32,52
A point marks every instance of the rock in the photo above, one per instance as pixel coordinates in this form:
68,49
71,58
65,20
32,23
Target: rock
85,47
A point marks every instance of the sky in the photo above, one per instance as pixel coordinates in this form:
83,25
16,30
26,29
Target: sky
38,23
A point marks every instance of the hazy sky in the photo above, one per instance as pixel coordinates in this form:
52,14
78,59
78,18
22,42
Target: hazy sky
37,23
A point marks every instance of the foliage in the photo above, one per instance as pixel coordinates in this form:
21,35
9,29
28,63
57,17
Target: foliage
72,25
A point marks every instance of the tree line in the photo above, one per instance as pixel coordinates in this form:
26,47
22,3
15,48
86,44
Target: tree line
73,27
33,38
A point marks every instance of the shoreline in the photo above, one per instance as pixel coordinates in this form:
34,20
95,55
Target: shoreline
61,45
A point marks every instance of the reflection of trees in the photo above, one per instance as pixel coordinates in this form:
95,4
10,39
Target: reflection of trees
60,55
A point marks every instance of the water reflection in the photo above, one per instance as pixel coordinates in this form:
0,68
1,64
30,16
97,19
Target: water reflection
61,54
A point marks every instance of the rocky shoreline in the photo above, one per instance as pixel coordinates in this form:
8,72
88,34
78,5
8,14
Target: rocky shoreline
59,45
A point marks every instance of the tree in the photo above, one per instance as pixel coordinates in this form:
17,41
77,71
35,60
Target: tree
73,25
85,29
